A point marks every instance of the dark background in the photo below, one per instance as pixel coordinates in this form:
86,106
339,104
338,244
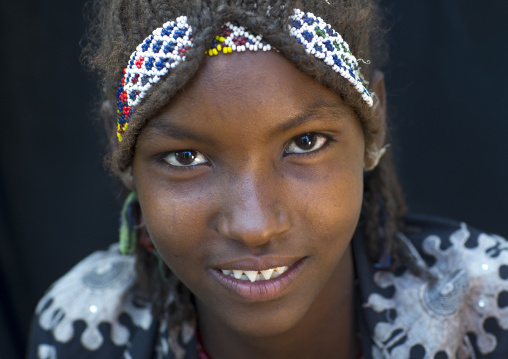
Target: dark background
447,86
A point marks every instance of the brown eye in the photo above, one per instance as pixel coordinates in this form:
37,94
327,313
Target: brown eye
185,158
306,142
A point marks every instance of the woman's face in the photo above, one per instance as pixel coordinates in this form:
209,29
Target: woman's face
253,166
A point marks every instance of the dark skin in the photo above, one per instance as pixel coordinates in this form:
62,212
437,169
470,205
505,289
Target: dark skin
255,164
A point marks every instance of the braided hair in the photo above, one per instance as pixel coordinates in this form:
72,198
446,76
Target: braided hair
120,25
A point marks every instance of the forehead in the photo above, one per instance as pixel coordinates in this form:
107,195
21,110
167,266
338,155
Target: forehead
259,90
252,71
244,81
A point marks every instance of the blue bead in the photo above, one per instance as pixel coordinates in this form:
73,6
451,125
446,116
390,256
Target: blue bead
307,36
328,45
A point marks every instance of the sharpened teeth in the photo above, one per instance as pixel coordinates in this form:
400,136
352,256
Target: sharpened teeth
267,274
253,275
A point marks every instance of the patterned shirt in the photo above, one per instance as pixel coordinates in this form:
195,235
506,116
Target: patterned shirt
456,307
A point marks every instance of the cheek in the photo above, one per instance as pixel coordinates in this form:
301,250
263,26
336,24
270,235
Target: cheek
175,217
335,204
331,202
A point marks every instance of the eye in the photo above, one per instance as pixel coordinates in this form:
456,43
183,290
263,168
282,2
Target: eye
307,142
185,158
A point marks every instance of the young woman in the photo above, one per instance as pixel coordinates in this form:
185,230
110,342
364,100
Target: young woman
264,221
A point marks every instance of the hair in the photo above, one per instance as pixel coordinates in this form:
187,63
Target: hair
120,25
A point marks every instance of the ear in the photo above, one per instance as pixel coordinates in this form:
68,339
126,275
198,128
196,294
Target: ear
127,179
377,147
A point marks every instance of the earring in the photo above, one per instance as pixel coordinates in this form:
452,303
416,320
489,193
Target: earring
376,101
128,225
375,156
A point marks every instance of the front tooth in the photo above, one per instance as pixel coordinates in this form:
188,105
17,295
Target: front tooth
237,273
251,274
226,271
267,273
281,269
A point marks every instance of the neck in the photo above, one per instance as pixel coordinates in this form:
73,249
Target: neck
327,330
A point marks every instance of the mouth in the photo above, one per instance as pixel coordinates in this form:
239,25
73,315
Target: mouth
256,276
268,282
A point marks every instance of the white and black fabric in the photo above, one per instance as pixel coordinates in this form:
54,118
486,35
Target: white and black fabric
456,308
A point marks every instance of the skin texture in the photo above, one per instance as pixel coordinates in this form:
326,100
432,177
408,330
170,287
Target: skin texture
252,198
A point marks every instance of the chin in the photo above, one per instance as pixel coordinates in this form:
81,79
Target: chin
255,320
266,323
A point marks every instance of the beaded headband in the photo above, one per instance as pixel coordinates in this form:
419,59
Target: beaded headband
166,47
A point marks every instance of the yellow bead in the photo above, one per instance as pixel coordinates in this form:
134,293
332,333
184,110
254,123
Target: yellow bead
210,52
217,37
225,50
119,137
219,47
125,126
222,39
230,49
215,52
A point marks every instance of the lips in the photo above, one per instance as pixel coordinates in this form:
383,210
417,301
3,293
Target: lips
257,281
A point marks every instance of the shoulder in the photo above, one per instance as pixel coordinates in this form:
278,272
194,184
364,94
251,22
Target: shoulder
93,308
459,307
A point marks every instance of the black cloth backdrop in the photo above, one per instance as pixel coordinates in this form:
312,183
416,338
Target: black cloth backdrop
447,95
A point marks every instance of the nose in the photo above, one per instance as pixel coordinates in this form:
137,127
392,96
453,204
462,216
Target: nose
253,212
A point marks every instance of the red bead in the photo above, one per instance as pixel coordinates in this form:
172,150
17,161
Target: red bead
139,62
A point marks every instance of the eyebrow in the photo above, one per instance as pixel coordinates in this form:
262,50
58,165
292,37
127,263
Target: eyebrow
166,127
310,113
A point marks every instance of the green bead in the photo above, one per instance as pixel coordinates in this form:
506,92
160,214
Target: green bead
320,32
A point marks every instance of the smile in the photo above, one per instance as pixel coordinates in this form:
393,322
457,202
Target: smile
253,275
253,284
